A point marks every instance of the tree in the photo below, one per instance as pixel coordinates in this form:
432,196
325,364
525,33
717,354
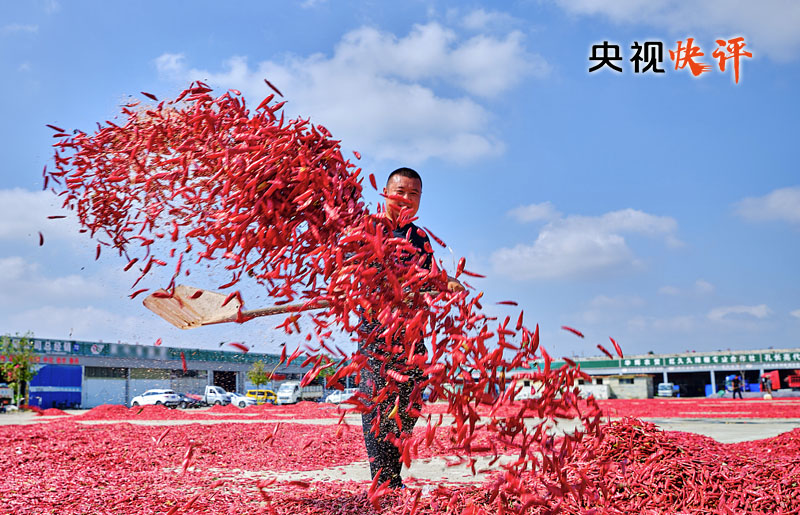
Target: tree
328,370
259,375
17,369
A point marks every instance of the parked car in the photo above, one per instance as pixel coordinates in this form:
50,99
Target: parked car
241,400
188,401
158,397
262,396
6,394
339,397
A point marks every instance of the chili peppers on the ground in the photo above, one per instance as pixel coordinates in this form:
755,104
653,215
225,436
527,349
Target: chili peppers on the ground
67,467
199,178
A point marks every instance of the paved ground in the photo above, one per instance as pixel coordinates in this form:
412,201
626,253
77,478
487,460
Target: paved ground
721,429
729,430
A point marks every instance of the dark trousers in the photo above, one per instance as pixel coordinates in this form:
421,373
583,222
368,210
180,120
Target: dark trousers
739,391
384,456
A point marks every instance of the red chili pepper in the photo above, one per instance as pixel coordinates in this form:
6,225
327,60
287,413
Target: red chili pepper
275,198
273,88
574,331
616,347
242,347
130,264
605,351
137,292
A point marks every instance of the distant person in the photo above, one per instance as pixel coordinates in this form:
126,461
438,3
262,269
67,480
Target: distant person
766,384
736,386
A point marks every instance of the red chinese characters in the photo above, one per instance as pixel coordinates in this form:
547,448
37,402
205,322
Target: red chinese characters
685,55
735,50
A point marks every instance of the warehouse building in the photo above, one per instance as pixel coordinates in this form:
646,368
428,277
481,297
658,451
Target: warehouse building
87,374
694,374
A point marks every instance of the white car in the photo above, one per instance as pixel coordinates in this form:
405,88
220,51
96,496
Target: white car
159,397
241,400
339,397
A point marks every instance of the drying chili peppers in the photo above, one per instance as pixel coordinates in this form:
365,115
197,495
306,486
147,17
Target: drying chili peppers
68,468
202,178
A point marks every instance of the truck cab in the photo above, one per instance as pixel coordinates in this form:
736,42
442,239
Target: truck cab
290,392
665,390
216,395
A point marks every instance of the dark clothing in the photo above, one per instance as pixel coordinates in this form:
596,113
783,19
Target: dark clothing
383,454
419,239
736,385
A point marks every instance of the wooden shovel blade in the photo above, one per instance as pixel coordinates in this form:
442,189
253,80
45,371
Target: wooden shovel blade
185,312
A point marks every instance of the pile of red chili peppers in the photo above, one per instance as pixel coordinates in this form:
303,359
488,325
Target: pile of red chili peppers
200,178
67,467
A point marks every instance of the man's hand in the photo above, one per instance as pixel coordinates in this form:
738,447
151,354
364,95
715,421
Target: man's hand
454,285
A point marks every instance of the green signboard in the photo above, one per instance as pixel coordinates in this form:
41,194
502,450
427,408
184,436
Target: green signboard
216,355
764,358
51,347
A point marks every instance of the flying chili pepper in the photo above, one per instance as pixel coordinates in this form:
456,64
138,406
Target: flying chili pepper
574,331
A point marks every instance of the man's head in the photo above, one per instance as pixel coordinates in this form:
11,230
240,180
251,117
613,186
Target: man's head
406,184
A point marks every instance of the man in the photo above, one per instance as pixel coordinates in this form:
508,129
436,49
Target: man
736,386
403,193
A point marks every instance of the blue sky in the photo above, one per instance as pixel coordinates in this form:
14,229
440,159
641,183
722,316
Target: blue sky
663,211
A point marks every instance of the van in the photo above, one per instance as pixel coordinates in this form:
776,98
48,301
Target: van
665,390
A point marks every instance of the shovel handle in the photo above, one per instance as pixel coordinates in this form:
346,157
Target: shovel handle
272,310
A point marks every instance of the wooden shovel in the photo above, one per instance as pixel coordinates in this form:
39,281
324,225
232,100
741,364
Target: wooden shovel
186,309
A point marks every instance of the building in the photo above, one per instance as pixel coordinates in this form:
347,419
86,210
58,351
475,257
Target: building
87,374
697,374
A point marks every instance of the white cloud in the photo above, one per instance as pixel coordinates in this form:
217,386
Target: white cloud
22,280
534,212
617,301
702,287
770,27
779,205
23,214
382,94
795,313
52,6
17,28
583,245
681,324
604,308
479,19
669,290
720,313
87,322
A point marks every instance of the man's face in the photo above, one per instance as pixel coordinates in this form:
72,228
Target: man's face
409,189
